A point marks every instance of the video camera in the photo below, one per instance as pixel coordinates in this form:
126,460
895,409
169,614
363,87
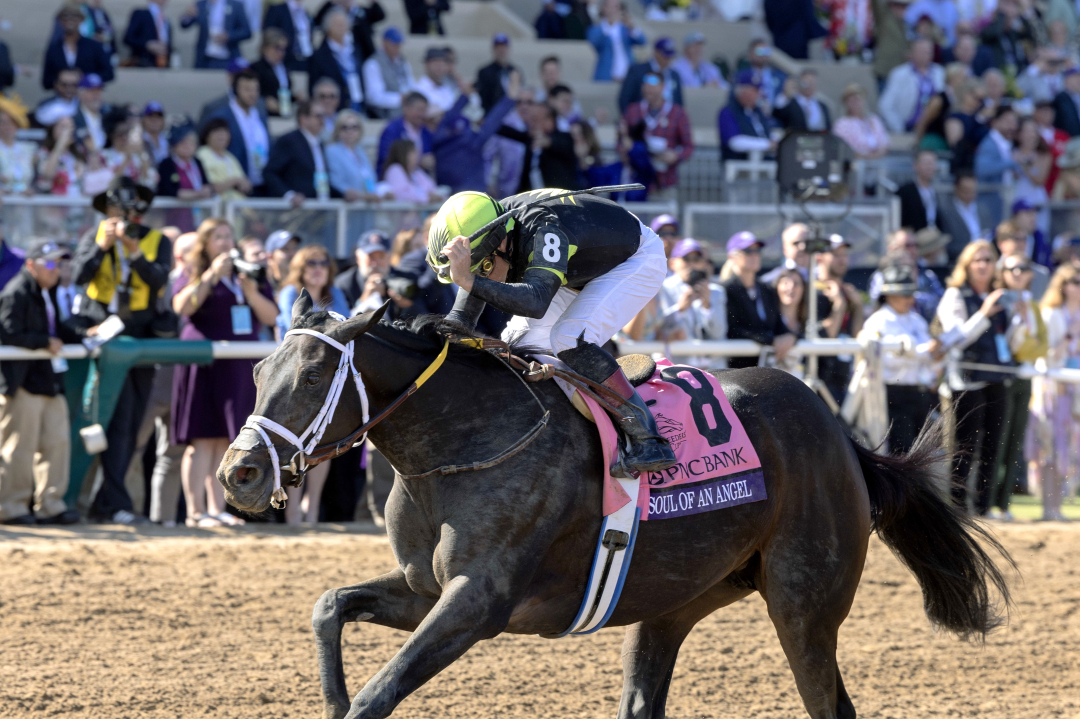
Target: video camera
248,269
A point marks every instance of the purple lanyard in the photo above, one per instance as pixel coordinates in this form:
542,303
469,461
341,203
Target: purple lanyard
926,89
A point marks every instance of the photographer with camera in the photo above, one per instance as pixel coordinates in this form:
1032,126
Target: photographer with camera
124,266
221,297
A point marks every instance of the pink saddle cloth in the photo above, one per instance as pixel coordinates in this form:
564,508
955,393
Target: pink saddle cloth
716,467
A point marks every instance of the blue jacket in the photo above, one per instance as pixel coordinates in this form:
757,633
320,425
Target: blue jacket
90,57
457,145
141,30
990,166
236,27
279,16
288,295
237,146
733,121
394,131
605,51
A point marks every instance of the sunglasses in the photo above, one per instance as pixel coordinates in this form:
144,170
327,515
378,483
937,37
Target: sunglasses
350,127
317,263
983,261
669,233
751,251
692,257
1019,269
327,96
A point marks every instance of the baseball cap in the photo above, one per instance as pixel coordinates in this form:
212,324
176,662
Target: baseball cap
373,241
747,76
237,65
92,81
837,240
277,240
500,38
693,38
666,46
393,35
45,249
1024,205
661,220
153,108
685,247
742,240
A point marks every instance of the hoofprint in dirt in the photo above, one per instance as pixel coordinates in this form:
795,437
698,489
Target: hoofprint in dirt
161,623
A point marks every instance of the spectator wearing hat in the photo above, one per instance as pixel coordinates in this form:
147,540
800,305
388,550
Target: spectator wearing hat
690,300
666,228
155,138
410,125
457,145
493,79
181,173
33,407
64,101
436,84
294,23
744,128
1037,246
614,38
753,309
910,374
387,77
124,266
338,60
249,136
799,107
1067,103
363,18
297,169
16,156
693,69
89,117
223,171
149,35
862,130
275,84
372,257
69,49
281,246
667,134
659,64
223,25
793,25
425,16
910,87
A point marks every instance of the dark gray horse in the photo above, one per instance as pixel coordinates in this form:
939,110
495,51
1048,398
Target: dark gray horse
508,549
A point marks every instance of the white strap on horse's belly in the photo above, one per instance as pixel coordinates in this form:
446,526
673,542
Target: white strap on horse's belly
610,564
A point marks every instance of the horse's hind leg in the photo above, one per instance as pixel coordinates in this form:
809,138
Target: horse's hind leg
651,647
385,600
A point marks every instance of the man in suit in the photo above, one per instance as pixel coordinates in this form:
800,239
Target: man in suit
662,64
918,200
805,110
297,167
250,138
550,160
493,79
292,19
272,71
336,59
410,126
959,217
236,66
363,22
1067,103
149,35
71,50
223,25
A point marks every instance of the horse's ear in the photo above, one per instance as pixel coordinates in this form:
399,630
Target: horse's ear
301,307
352,328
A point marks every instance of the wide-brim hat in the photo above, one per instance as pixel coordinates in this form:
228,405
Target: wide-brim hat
930,240
1071,157
13,107
121,190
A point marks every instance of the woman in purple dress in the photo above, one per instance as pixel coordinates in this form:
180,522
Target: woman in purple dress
211,403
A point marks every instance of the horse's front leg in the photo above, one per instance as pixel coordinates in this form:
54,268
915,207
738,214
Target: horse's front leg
469,610
385,600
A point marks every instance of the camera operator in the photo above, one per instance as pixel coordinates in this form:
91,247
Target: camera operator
125,267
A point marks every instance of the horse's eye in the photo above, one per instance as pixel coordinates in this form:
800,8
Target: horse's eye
312,378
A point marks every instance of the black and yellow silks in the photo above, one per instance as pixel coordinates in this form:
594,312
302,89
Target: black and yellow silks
108,276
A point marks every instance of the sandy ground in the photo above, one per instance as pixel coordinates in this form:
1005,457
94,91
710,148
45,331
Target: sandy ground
97,622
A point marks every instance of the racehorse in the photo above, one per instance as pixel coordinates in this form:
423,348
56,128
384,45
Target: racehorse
509,548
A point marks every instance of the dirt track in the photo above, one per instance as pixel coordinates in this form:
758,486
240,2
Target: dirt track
96,623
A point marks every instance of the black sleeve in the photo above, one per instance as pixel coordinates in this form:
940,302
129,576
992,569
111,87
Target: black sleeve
87,259
375,13
156,273
13,310
467,309
168,179
7,70
528,298
275,170
512,133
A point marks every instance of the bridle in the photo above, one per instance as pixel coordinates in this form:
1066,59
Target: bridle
308,450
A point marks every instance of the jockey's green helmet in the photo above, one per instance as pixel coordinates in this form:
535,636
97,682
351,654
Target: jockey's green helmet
463,214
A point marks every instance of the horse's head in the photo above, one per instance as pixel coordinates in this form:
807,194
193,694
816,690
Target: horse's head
293,384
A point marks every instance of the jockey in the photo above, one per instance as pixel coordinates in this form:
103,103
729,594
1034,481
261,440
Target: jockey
572,271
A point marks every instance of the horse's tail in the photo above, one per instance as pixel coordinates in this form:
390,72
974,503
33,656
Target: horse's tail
937,541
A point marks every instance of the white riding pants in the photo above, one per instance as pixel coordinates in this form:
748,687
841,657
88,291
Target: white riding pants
602,308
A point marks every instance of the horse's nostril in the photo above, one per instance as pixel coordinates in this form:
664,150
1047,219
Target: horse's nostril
245,475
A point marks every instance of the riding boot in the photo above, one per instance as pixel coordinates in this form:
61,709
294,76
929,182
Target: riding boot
641,448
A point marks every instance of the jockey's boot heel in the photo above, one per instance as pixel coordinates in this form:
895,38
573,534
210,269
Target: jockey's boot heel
643,448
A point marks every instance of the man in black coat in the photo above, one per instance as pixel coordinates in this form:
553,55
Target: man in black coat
550,160
336,60
272,71
297,166
918,199
292,20
149,35
660,63
493,79
90,56
33,407
804,111
1067,103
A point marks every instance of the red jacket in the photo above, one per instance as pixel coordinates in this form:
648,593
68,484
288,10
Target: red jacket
670,123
